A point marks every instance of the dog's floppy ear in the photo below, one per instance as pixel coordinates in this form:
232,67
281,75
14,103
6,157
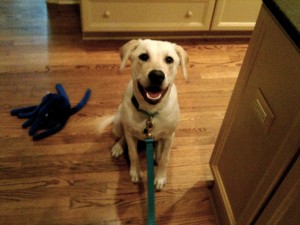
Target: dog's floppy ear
184,60
126,50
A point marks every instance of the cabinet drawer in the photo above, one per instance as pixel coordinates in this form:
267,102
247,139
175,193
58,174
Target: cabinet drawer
144,15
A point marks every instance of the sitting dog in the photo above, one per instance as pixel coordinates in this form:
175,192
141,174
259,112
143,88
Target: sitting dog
150,96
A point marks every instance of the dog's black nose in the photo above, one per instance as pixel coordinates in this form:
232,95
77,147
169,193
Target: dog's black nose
156,77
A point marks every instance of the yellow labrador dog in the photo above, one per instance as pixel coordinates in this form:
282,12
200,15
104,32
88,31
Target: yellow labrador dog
150,96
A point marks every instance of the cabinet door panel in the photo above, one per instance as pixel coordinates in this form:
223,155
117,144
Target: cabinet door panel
235,15
284,207
247,162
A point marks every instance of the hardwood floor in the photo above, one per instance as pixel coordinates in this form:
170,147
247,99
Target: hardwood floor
70,177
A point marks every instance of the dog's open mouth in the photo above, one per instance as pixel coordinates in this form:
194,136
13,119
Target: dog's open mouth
152,94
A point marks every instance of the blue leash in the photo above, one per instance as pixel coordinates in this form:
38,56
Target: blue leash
150,181
149,155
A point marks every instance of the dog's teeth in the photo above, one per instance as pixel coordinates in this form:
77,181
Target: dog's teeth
153,96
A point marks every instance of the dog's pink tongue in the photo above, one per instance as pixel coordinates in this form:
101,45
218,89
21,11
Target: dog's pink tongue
154,96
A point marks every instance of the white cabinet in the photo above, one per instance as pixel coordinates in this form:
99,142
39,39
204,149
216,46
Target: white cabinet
144,15
235,15
165,18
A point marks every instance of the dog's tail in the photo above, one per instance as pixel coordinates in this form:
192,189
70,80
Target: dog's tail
105,121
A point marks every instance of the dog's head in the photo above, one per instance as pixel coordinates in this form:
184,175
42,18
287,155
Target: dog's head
154,67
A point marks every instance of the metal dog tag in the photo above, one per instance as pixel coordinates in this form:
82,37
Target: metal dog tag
149,127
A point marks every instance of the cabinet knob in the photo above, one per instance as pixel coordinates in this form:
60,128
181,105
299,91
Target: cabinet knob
107,14
189,14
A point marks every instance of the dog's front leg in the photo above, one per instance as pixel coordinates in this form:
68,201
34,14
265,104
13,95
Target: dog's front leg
135,168
161,172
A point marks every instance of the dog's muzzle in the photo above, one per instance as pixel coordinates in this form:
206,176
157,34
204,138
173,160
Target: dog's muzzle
154,92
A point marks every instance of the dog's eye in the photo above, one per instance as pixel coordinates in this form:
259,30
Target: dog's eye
144,57
169,60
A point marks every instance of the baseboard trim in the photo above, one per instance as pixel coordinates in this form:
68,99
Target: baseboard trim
63,2
165,35
220,201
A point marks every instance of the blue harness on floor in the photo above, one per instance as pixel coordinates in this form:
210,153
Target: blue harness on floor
150,161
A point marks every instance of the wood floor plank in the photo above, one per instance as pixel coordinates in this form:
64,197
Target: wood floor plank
70,177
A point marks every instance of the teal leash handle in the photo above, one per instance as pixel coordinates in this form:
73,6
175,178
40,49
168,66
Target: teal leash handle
150,181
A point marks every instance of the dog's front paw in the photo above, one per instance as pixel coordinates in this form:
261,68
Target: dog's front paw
135,176
117,150
160,178
160,182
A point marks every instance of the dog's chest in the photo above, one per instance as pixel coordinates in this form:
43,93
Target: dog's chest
163,127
